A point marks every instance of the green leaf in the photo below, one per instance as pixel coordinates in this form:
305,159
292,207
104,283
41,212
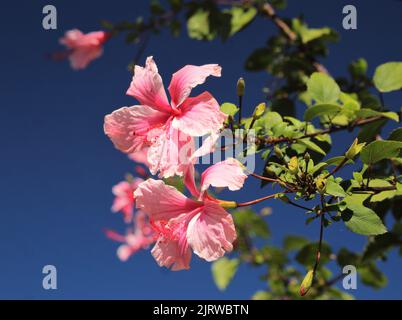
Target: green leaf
370,131
319,110
388,77
253,224
389,194
307,255
241,17
379,150
223,271
358,68
346,257
309,34
262,295
259,59
334,189
229,108
367,113
198,26
317,168
371,276
294,243
336,160
378,246
360,219
322,88
312,146
396,135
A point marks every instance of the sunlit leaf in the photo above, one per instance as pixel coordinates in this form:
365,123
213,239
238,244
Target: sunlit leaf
388,77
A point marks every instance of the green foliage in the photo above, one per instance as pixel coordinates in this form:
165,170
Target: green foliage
361,219
379,150
294,242
241,17
223,271
388,77
396,135
307,255
319,110
370,275
322,88
308,34
198,26
229,108
333,188
249,221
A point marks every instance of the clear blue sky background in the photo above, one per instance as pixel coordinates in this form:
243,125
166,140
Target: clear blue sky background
57,167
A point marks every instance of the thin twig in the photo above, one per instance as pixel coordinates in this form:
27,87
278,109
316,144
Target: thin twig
249,203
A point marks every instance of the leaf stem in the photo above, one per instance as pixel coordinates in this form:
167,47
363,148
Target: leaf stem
249,203
240,108
337,168
299,206
288,186
318,256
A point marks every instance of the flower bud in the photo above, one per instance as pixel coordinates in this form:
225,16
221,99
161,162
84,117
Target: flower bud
306,283
241,86
354,149
307,157
293,165
278,152
321,184
259,110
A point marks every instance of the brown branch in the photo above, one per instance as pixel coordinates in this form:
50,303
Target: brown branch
282,25
291,35
337,168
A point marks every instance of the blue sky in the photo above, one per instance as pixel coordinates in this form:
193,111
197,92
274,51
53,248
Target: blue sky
57,166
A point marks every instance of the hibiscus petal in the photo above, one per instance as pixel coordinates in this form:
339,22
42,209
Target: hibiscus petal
199,116
228,173
211,232
71,37
161,201
75,38
127,127
189,181
81,57
169,254
169,152
189,77
124,252
147,87
140,156
208,145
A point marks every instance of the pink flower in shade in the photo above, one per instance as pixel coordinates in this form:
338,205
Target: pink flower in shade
124,198
166,128
184,224
83,48
139,238
140,156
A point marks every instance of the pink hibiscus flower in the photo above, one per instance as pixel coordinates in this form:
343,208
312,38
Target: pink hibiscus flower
124,198
83,48
139,238
183,224
166,128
